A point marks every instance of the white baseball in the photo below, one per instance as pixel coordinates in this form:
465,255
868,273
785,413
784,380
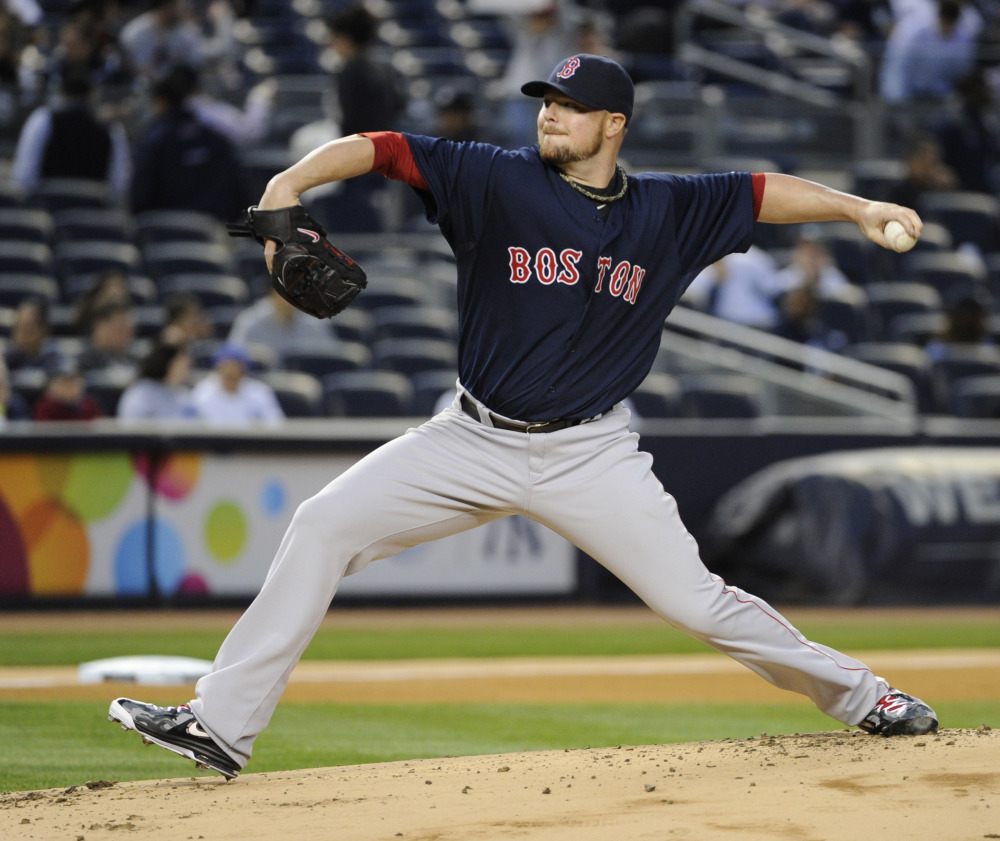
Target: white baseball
896,236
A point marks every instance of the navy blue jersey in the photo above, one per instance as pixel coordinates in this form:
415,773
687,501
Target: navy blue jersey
561,310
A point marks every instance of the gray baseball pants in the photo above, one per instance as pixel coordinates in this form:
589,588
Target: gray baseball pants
589,483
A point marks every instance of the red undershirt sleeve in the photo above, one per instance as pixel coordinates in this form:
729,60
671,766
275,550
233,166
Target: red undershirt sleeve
758,192
393,158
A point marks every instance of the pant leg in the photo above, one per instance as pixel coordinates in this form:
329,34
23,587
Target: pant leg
598,490
444,477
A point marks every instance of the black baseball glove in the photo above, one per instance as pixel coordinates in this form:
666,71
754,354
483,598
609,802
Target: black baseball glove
307,271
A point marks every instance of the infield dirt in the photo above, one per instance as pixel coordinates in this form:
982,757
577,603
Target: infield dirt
841,784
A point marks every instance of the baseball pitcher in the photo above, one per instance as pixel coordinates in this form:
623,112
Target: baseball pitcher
567,267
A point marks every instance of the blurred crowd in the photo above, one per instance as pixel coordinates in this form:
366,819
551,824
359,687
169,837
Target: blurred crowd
164,103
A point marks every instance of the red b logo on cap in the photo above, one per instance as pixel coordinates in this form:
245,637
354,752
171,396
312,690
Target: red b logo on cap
569,68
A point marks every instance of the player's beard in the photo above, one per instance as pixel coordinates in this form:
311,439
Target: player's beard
560,155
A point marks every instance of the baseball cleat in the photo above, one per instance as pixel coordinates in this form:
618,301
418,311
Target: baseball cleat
177,730
899,714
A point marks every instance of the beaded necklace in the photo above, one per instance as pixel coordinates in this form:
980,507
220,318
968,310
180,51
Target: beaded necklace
597,196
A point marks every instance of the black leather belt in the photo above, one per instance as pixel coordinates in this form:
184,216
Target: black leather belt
470,408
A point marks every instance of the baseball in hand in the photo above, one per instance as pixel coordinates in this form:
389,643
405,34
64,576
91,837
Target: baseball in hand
896,236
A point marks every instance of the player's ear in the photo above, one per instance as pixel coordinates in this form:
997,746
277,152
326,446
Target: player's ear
614,125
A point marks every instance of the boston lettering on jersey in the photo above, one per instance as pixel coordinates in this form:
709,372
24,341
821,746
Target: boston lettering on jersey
547,268
561,305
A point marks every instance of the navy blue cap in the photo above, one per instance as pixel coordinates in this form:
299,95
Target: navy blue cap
592,80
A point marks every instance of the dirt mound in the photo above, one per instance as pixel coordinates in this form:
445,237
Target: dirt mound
816,787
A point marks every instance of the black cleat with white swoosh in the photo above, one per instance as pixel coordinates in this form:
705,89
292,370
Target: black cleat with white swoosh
176,729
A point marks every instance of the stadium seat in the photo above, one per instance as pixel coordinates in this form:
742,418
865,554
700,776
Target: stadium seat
322,359
916,328
162,226
390,292
141,288
17,286
855,254
876,179
212,289
659,396
29,383
300,395
415,323
26,225
950,272
976,397
171,258
87,257
25,256
354,325
411,356
718,395
365,394
889,299
106,387
846,312
149,320
429,387
906,359
105,224
971,217
54,194
960,361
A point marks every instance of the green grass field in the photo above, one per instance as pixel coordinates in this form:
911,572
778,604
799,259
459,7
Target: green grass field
64,743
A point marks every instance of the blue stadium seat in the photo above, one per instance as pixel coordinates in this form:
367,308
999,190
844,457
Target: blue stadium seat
300,395
320,360
718,395
411,356
357,394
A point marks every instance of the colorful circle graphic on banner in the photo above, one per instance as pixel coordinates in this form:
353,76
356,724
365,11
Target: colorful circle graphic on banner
57,548
177,475
170,559
226,531
273,497
91,485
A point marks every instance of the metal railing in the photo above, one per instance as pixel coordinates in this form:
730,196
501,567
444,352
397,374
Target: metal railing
797,379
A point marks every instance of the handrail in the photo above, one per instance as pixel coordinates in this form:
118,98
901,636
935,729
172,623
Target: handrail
830,377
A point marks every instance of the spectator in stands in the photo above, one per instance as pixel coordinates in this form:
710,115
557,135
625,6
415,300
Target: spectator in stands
456,116
931,46
966,323
228,396
182,164
371,97
161,38
65,397
30,346
112,331
926,172
540,33
369,93
161,391
186,321
65,139
109,286
13,406
241,126
812,265
16,76
275,323
799,320
742,288
970,135
86,41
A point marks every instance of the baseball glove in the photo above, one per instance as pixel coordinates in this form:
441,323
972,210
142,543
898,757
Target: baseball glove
307,271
